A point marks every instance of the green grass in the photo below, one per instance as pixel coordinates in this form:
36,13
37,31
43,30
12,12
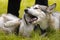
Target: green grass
35,35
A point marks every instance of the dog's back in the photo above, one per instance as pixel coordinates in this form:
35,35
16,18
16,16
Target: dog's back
55,17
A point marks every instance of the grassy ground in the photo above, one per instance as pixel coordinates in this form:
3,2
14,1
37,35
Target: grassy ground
35,36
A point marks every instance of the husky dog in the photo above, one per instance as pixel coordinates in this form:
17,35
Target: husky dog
44,16
9,23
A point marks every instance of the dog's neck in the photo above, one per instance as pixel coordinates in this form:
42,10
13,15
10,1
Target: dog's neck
46,21
43,24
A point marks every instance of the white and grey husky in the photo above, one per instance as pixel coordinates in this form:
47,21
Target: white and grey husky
37,14
44,16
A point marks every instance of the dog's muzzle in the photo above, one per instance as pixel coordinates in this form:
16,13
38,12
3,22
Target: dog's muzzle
32,17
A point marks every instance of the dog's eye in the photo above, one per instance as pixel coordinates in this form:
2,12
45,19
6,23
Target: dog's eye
35,8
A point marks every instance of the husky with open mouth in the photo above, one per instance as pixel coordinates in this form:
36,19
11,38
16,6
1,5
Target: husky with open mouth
44,16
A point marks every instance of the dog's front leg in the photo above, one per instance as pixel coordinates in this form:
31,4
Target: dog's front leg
43,32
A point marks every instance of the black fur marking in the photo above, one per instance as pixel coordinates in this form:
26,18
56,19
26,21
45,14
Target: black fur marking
17,30
25,19
38,27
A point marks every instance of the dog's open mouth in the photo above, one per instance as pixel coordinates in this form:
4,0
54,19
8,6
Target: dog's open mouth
32,18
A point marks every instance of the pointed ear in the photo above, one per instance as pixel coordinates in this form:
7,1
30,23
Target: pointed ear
51,7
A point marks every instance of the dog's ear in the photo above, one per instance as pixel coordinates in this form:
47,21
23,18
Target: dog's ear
51,7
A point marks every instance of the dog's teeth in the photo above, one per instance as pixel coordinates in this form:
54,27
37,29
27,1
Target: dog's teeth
34,19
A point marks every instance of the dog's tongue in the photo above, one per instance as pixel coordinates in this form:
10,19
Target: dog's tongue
33,19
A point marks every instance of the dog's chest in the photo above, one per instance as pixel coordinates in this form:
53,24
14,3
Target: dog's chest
26,27
44,24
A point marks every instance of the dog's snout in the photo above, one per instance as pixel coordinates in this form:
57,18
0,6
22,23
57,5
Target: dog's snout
26,10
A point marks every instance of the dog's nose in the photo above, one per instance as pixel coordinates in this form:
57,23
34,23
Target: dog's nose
26,10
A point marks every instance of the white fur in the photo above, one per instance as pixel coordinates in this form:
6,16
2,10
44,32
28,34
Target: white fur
9,23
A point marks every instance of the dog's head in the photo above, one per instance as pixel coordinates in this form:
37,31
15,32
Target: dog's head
37,12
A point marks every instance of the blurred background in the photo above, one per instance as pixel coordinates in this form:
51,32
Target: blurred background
24,4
